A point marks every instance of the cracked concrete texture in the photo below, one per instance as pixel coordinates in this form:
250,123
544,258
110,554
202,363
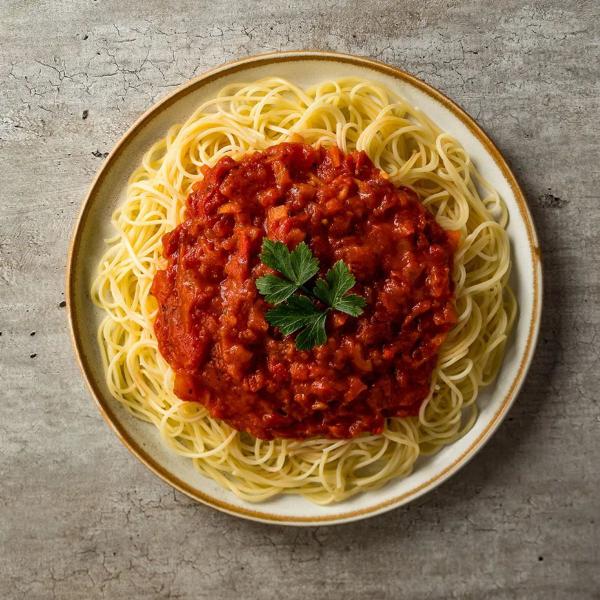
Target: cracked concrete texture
81,518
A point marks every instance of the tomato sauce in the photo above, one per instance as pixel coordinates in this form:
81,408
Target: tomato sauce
211,325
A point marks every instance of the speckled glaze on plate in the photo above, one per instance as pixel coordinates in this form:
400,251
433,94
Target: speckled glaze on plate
108,189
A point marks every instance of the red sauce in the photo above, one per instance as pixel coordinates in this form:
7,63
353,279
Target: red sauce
211,325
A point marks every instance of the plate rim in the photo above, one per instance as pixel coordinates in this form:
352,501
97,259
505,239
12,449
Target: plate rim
532,331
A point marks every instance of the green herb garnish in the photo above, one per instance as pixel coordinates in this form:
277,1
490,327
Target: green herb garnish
294,310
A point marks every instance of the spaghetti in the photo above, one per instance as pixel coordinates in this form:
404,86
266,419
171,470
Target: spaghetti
353,114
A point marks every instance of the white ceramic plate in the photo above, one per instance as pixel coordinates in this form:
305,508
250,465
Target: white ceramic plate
108,189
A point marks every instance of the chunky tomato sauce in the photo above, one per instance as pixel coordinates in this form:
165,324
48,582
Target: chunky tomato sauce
211,325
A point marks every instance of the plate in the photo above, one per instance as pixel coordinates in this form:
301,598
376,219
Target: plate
108,189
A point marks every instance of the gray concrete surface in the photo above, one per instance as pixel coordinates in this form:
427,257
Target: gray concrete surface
81,518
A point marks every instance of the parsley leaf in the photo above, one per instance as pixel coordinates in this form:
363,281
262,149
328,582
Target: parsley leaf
305,265
314,334
298,266
338,280
352,305
275,289
296,312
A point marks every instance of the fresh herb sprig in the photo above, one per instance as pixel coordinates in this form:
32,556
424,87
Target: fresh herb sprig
294,310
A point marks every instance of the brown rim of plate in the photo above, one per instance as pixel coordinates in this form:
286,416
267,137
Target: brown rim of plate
274,58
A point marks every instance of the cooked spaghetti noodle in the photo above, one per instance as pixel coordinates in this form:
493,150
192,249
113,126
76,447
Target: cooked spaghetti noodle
401,140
